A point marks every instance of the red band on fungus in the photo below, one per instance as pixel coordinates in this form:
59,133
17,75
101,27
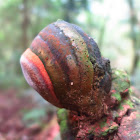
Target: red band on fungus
37,77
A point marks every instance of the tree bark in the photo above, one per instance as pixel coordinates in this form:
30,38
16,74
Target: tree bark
25,24
133,23
120,114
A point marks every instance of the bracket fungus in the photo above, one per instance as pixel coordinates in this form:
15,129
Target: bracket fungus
64,65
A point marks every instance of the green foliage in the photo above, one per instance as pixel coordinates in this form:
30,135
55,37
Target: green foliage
33,116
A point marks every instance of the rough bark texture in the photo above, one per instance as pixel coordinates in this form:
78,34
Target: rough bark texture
119,122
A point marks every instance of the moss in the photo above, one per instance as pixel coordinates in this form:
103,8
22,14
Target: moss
109,130
103,128
63,126
120,72
128,102
113,128
120,84
124,85
103,123
117,96
62,114
120,81
104,133
125,102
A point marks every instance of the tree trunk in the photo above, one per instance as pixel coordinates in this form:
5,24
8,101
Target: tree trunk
133,23
68,10
101,36
25,24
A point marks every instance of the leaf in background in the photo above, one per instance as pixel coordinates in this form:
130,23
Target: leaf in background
33,116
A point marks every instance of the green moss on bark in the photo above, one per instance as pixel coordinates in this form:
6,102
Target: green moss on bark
62,119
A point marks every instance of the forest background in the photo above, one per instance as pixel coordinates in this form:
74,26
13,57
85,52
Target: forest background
114,25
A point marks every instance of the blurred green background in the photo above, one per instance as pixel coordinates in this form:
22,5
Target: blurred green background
114,25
